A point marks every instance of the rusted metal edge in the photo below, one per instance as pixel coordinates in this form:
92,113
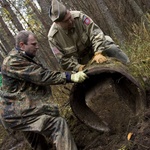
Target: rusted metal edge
83,112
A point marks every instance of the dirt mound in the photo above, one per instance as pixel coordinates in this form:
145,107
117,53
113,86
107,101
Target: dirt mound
89,139
135,136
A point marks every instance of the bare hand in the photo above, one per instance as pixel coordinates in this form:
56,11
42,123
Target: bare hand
99,58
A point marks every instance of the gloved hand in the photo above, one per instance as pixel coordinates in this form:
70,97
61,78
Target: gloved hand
99,58
81,67
79,77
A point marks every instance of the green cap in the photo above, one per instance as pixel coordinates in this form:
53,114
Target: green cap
57,11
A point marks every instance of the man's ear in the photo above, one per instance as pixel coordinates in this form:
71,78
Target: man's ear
21,44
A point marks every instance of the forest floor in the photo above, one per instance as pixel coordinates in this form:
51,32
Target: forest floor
139,136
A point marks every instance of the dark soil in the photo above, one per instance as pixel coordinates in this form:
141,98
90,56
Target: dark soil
87,138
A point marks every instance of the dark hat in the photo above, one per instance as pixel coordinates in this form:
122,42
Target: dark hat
57,11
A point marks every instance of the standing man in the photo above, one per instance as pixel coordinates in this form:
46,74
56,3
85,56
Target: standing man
75,39
27,103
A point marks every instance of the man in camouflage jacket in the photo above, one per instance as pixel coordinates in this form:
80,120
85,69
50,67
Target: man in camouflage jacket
26,103
75,39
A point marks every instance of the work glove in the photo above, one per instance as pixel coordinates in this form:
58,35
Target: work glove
81,67
99,58
79,77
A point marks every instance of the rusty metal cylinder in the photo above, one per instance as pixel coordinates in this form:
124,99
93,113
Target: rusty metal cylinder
109,99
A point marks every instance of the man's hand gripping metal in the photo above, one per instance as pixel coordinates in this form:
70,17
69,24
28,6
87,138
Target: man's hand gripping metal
99,58
79,77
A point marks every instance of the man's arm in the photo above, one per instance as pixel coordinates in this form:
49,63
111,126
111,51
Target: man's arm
94,32
96,36
22,68
68,61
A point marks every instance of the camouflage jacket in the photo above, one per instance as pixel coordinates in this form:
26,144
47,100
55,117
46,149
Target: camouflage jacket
78,45
28,83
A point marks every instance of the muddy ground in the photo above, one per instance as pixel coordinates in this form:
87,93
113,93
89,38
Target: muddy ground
85,137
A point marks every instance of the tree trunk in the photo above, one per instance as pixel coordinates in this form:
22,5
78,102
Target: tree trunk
7,31
5,44
110,20
40,17
13,17
140,14
45,5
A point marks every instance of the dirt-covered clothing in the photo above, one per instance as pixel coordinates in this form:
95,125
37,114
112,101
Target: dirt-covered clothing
29,105
78,45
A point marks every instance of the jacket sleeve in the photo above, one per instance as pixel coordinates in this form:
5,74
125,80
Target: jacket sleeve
68,61
94,32
23,69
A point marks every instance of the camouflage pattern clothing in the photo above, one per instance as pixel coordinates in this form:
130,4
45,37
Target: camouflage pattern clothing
28,107
78,45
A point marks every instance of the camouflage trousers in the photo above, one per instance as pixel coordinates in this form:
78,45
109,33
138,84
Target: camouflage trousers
44,129
113,50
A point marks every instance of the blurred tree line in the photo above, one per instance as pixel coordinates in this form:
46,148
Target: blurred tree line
116,18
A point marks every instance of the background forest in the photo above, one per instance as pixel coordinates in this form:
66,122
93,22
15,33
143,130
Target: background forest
126,21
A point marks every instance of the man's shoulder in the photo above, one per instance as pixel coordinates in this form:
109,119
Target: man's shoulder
11,57
79,15
53,30
75,14
12,53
